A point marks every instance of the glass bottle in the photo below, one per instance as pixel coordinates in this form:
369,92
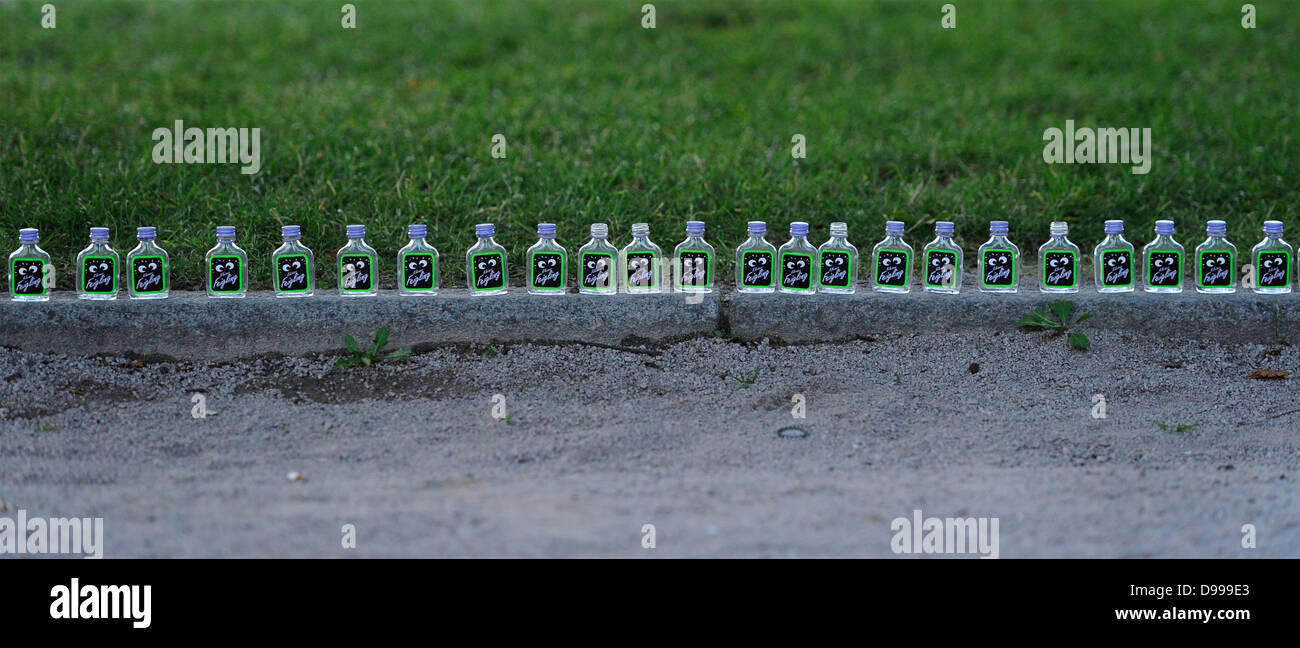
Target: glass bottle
1058,261
485,263
417,264
1272,257
797,260
891,260
756,261
597,261
1163,260
28,267
693,261
97,267
999,260
641,263
147,266
941,261
358,271
1216,261
837,262
226,266
547,263
293,266
1112,260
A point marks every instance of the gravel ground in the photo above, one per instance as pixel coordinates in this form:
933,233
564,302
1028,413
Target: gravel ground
599,442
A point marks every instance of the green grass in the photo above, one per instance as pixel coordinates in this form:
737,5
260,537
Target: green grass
391,123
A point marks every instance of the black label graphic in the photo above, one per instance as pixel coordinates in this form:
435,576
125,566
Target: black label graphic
291,272
1059,269
836,269
940,268
356,272
999,268
98,275
27,277
487,268
548,270
225,274
757,269
695,268
1216,269
148,274
1163,268
1116,268
640,270
891,268
1274,269
796,271
418,270
597,270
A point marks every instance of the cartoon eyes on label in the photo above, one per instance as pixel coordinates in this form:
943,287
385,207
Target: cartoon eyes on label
546,263
228,265
888,261
998,260
938,261
146,267
1272,263
597,264
1159,263
794,264
835,261
487,263
1058,263
292,265
1113,261
1216,261
415,265
23,270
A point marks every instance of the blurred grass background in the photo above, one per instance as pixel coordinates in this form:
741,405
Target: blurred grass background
391,123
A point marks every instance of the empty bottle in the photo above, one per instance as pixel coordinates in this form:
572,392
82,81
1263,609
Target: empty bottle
485,263
1216,261
941,261
641,263
1272,257
837,262
293,265
97,267
693,261
226,266
892,261
756,261
1058,260
597,261
358,269
547,263
797,260
29,266
999,260
1163,260
417,264
1112,260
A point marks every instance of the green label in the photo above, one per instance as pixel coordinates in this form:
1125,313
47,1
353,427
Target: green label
225,273
893,268
694,269
639,271
546,270
1215,269
292,273
796,271
1060,269
27,277
487,271
597,271
148,275
940,268
998,268
756,269
1165,268
1116,268
419,271
97,275
356,272
1273,269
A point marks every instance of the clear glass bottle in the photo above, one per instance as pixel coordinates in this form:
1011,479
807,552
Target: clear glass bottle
641,263
147,266
941,261
837,262
485,263
1216,261
293,266
417,264
1112,260
548,263
1058,261
597,261
97,267
28,267
1163,260
358,269
693,261
797,261
756,261
226,266
1272,257
891,261
999,260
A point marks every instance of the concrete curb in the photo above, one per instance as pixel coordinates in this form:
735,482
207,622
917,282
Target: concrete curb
190,326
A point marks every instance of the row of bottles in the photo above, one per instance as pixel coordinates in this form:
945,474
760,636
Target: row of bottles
796,267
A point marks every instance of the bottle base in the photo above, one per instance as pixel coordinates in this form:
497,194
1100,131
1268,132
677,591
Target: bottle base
1272,291
836,291
597,292
97,297
1058,291
756,291
485,293
943,291
1003,291
1112,291
1216,291
220,296
364,294
1162,291
417,293
281,295
31,299
897,291
150,296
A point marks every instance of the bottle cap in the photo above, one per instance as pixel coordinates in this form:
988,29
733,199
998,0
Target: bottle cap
1058,228
640,229
485,230
1216,227
146,233
546,230
599,230
29,236
1114,227
225,231
1273,227
1164,228
945,228
416,231
356,231
757,227
894,227
839,229
999,227
798,228
695,228
99,232
290,232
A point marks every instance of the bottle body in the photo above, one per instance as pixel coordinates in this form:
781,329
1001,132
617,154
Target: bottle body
891,262
837,265
999,265
485,267
1272,258
1113,265
1216,266
641,266
293,270
97,269
796,261
756,265
358,269
417,269
1162,261
147,267
597,264
693,265
29,266
548,264
941,261
1058,263
226,269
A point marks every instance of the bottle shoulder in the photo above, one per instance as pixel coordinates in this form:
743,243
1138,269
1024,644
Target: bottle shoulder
29,252
693,244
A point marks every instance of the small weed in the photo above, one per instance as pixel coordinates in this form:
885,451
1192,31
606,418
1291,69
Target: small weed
367,357
1058,321
747,380
46,426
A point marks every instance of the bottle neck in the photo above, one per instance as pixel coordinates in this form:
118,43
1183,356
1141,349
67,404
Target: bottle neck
225,240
